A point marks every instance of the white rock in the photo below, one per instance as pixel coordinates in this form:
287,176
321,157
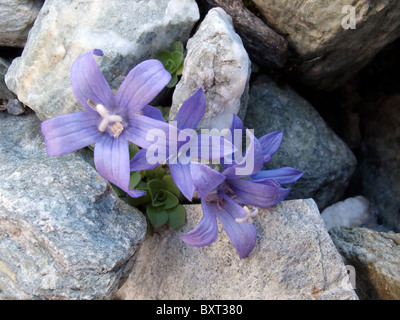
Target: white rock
16,18
127,31
216,61
352,212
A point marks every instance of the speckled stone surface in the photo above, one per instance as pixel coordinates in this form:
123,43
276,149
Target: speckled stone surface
64,234
376,259
331,54
294,258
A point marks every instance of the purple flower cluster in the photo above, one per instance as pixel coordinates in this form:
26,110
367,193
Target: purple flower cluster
222,194
110,121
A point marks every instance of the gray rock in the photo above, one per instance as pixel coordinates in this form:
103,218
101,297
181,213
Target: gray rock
376,259
294,258
4,92
15,107
63,233
16,18
380,158
308,143
330,54
217,62
128,32
264,45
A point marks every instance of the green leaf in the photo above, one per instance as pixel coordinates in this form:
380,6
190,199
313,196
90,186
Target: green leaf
135,202
176,216
154,187
135,179
156,173
173,81
150,228
163,56
170,185
142,186
157,216
133,149
158,199
161,196
179,71
171,201
177,57
177,46
170,65
172,61
165,113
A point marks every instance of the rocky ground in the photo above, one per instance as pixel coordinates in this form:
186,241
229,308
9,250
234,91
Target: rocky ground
295,66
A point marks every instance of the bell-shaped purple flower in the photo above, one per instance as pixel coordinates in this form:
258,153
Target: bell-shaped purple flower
200,146
223,194
109,120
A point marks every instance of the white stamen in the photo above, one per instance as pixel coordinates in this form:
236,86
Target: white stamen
103,125
115,118
249,215
116,128
102,111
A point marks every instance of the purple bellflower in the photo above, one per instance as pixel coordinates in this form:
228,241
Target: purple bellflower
109,120
202,146
223,194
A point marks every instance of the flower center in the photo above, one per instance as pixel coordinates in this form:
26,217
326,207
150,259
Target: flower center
249,215
107,119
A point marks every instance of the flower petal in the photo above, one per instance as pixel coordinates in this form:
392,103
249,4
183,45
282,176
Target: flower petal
211,147
88,82
237,124
235,135
139,162
205,179
145,132
270,144
191,111
70,132
111,158
243,235
206,231
263,195
283,176
183,179
153,112
251,163
142,84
